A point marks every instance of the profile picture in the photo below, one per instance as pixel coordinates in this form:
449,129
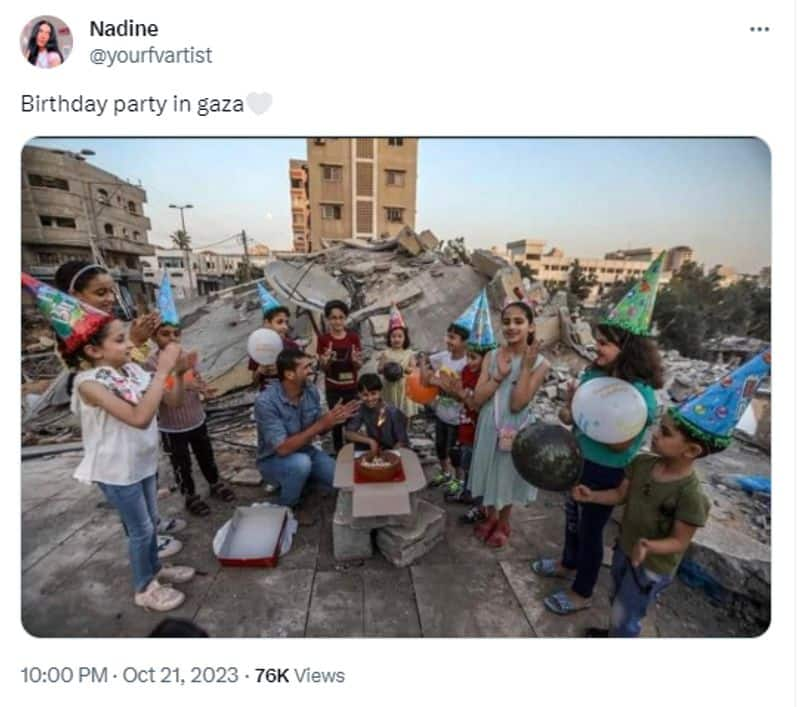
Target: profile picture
46,42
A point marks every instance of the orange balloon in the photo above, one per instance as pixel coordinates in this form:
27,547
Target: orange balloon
419,393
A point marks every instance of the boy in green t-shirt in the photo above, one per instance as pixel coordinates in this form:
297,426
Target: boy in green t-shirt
664,504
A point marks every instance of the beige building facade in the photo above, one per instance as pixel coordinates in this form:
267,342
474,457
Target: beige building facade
361,187
67,203
301,209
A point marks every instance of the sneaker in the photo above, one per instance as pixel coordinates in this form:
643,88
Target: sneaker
159,598
175,574
171,525
453,487
473,515
440,479
168,546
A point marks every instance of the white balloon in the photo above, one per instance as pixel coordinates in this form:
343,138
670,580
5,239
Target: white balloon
609,410
264,345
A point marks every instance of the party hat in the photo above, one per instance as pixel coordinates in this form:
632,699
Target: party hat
165,303
635,310
74,322
268,302
467,319
481,336
713,414
396,320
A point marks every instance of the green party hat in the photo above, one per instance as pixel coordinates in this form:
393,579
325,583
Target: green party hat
634,311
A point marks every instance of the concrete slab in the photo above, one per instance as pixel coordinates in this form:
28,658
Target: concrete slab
337,605
530,591
390,607
467,600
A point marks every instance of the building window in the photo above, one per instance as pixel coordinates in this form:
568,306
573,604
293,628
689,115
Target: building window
109,229
331,173
124,232
297,184
39,180
332,212
319,140
394,215
131,208
130,261
49,259
533,256
136,235
395,142
298,219
57,222
395,178
103,198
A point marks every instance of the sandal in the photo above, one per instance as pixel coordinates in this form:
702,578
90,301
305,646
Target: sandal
560,603
222,492
549,568
485,529
197,506
499,536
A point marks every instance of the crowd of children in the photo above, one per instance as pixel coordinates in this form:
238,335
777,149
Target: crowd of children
485,394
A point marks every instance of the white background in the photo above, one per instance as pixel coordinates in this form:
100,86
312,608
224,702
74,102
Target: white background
441,68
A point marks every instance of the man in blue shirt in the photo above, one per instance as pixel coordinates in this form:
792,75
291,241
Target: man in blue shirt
288,418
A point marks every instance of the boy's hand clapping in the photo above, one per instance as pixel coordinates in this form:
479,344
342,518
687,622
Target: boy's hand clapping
326,356
168,358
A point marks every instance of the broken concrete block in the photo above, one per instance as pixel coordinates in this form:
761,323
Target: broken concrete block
359,268
421,444
344,514
427,240
486,263
501,286
351,543
551,391
401,546
407,240
247,477
379,324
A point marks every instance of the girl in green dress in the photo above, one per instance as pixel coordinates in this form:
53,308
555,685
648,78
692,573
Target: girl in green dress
510,377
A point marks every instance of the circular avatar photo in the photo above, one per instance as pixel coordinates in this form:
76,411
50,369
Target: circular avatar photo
46,42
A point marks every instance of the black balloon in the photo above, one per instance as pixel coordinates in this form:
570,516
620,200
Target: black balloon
392,371
547,456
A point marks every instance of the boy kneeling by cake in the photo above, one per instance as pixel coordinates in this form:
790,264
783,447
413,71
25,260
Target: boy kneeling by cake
377,425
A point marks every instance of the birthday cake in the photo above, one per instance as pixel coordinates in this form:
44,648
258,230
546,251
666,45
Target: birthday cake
379,466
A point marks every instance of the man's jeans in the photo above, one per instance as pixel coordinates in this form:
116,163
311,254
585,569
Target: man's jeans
136,505
293,472
634,589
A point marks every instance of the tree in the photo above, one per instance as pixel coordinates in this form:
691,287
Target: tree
580,285
181,240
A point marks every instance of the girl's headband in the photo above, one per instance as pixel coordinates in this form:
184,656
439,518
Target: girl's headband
84,269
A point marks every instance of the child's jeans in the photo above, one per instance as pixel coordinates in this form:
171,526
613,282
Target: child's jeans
136,504
583,542
633,590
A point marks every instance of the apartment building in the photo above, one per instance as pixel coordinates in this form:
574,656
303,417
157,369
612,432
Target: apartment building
209,271
301,208
360,187
67,203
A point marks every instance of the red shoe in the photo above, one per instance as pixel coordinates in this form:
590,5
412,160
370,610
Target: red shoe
485,529
499,536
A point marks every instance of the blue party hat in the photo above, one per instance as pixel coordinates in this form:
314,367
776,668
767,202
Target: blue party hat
481,336
467,319
712,415
268,302
165,303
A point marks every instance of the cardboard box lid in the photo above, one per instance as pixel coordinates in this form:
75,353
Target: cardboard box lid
254,533
379,499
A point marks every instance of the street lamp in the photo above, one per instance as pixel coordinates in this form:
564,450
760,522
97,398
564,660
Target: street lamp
186,245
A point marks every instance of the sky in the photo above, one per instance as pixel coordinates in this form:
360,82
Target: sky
584,196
